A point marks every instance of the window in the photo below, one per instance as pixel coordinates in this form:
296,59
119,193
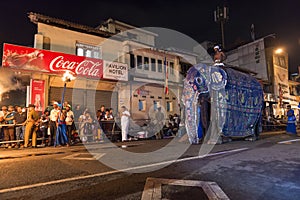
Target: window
142,105
80,52
88,53
156,104
169,106
159,63
88,50
146,63
171,68
132,61
153,65
139,62
96,54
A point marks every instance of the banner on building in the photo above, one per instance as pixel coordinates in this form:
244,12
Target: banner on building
31,59
281,81
252,57
37,92
115,71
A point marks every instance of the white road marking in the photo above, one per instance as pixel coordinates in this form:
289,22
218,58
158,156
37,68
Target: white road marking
115,171
288,141
56,181
183,159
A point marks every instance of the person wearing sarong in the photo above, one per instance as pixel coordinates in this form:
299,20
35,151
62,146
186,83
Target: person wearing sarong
61,133
291,123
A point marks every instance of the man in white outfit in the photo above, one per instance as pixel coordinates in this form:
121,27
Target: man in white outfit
125,115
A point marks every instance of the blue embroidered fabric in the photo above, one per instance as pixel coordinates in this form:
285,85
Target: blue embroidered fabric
241,103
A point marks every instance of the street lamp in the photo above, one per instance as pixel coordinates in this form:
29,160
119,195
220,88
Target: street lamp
67,77
278,51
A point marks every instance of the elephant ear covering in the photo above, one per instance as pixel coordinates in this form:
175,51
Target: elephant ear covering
195,83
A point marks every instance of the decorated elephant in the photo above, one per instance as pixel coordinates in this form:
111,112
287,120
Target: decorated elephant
236,100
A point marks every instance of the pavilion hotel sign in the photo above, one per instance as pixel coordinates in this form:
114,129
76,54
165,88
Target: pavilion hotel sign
115,71
30,59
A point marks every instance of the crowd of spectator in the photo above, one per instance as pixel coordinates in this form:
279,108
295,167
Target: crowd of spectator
60,125
56,126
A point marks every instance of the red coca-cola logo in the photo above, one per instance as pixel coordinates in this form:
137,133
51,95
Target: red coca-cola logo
26,58
86,67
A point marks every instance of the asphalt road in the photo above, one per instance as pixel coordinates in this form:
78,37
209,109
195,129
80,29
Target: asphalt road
263,169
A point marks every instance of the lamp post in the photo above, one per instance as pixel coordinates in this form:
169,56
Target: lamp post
67,77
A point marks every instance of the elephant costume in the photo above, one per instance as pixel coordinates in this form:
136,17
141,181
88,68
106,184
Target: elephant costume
236,102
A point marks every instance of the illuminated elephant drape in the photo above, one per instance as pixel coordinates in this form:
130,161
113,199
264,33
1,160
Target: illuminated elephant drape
236,101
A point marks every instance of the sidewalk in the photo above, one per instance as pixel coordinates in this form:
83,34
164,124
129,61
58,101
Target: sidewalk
19,153
271,133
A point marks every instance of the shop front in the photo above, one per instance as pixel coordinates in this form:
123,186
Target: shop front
95,83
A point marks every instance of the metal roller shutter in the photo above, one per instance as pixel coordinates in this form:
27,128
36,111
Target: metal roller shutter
74,96
87,98
107,98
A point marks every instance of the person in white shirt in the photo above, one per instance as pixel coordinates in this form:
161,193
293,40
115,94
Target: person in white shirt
3,112
70,123
53,123
125,115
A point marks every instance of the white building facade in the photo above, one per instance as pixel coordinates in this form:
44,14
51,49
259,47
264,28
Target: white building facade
140,86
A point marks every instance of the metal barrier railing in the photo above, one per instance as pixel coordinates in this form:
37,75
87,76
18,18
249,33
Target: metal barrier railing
111,130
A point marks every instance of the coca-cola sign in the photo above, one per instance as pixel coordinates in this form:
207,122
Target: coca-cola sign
31,59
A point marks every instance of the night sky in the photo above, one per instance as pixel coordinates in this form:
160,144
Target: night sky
193,18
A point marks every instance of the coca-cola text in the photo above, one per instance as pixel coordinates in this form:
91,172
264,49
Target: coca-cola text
85,67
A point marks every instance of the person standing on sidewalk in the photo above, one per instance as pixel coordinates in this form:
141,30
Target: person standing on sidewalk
61,137
44,126
31,123
70,123
291,123
20,119
53,123
3,112
9,132
124,122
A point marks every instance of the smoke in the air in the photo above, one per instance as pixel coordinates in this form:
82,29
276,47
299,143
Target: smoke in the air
8,81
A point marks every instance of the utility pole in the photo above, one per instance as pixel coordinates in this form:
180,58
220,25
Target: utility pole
221,15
